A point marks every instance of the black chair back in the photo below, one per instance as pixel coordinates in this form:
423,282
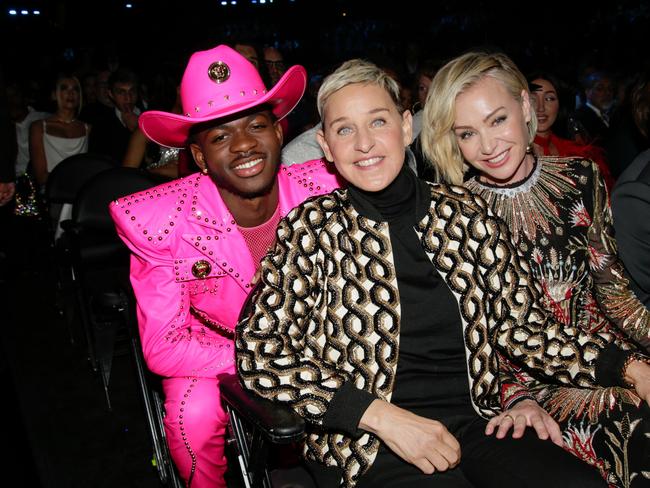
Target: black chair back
100,265
67,177
90,210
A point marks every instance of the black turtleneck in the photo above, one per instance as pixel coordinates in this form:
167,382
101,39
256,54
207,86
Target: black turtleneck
432,377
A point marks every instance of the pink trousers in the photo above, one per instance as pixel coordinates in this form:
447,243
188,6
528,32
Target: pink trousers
195,424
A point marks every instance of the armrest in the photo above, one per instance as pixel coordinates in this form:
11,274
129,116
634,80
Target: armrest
276,422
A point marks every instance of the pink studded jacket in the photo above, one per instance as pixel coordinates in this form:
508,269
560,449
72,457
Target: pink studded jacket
191,268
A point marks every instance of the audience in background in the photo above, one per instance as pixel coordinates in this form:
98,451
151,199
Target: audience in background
142,153
22,115
114,126
631,201
548,100
274,64
599,100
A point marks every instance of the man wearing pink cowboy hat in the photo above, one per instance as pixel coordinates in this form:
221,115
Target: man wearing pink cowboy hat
197,241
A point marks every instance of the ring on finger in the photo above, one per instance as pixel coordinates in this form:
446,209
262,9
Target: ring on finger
510,417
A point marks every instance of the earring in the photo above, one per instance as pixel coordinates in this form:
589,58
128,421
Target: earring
529,149
204,171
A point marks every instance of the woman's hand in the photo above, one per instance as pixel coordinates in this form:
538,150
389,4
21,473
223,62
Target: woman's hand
638,374
420,441
526,413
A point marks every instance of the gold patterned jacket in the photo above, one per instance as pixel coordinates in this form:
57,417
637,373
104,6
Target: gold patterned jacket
325,316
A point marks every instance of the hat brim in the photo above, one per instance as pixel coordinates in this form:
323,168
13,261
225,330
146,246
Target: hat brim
172,130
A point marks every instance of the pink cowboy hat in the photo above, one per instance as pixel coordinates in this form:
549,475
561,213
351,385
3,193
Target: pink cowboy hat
217,83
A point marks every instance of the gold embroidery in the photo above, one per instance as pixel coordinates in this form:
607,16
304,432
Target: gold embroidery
531,206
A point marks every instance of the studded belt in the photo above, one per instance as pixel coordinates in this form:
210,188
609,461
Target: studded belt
213,325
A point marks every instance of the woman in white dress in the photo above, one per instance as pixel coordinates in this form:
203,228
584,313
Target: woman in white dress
61,135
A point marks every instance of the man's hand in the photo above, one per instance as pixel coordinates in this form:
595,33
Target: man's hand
7,191
526,413
130,120
420,441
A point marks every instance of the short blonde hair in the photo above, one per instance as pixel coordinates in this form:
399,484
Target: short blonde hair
438,139
357,71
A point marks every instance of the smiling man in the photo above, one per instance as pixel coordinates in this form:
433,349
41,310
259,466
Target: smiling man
197,241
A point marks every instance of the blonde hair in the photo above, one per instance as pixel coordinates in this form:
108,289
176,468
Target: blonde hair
357,71
438,139
65,76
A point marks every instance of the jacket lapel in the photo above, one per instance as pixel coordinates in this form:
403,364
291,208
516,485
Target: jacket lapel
216,234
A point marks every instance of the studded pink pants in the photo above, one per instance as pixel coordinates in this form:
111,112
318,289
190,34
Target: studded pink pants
195,424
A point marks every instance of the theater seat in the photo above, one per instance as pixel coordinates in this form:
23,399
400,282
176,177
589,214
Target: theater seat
260,428
63,185
100,262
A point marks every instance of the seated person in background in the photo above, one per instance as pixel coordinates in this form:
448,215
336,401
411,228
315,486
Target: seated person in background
546,90
22,115
379,314
114,125
9,148
97,109
631,202
60,135
274,64
198,243
423,78
157,159
141,153
479,114
594,114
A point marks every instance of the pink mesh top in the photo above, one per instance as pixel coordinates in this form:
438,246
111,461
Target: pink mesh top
259,239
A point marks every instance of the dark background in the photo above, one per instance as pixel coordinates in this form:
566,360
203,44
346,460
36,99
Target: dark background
563,35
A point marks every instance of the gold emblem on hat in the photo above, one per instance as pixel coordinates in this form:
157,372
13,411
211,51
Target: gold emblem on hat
219,72
201,268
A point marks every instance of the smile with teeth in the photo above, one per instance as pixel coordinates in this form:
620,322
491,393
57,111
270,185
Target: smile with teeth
498,159
248,164
369,162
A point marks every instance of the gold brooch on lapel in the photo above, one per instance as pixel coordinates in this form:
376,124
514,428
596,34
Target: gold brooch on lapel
201,268
219,72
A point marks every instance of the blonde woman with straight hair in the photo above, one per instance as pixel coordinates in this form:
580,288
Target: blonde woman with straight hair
479,115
